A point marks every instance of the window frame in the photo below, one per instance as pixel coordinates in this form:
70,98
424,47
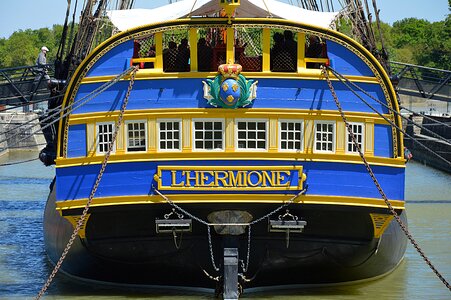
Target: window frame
127,137
266,121
173,120
193,135
334,136
98,152
362,144
279,123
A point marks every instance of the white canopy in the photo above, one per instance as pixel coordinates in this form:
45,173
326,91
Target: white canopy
126,19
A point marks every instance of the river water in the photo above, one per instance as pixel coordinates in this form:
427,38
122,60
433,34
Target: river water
24,267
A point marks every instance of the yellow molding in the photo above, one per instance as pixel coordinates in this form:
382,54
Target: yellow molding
154,74
230,52
193,49
228,198
221,113
229,155
266,50
301,52
158,52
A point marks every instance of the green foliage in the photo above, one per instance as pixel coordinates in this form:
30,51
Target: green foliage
415,41
410,40
23,46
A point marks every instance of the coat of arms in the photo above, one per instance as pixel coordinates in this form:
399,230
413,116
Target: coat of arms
230,89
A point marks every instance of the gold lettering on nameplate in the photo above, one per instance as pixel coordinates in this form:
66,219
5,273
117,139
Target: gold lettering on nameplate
239,178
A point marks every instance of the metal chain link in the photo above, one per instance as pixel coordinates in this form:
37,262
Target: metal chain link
93,191
324,71
170,202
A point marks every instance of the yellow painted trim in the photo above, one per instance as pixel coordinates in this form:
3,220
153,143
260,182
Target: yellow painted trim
221,113
152,134
266,50
228,198
186,134
158,51
230,52
74,221
201,186
229,134
340,142
153,74
301,52
187,155
381,76
273,135
193,49
380,223
369,137
146,59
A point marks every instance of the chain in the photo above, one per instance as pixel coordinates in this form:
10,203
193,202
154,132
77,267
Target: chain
210,244
93,191
324,71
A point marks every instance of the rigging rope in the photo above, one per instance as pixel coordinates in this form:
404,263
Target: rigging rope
88,98
324,71
94,188
244,266
393,124
18,162
338,75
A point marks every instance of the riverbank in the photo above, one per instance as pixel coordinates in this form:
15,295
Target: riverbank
20,131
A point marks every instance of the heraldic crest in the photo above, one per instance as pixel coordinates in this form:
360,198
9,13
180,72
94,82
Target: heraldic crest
230,89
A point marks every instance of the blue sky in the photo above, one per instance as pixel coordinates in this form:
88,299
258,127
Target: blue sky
34,14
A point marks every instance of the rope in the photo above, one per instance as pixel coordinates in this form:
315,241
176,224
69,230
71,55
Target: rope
88,98
394,125
18,162
244,266
378,186
94,189
340,77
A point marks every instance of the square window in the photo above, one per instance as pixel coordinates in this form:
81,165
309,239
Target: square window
251,135
170,134
208,135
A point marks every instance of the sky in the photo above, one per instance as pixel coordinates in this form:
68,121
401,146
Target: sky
35,14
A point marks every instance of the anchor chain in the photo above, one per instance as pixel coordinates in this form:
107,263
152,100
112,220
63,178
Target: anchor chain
403,226
93,191
210,244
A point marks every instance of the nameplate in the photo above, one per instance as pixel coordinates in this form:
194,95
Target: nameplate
230,178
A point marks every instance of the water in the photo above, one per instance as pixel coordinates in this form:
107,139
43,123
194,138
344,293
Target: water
24,267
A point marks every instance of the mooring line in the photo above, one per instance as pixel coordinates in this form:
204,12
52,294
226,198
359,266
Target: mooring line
93,191
324,71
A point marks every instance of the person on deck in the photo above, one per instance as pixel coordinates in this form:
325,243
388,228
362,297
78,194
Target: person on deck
41,62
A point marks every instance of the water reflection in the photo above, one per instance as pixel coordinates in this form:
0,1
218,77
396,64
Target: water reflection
24,267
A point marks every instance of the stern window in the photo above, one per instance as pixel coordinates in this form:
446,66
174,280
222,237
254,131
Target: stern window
136,136
105,136
208,135
251,135
291,135
357,129
324,137
169,135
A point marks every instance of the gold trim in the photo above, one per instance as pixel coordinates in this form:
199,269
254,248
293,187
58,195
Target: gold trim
239,182
74,221
157,29
228,198
380,223
230,155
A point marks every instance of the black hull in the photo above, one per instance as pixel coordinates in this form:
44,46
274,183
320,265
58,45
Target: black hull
337,246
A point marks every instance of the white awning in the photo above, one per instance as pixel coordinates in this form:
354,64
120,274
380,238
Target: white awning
126,19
